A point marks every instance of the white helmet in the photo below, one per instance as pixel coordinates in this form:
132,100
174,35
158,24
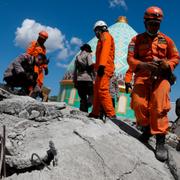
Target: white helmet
100,24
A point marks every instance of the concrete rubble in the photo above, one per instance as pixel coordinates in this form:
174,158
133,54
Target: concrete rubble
82,148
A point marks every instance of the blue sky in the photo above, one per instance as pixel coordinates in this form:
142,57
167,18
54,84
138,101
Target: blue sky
70,23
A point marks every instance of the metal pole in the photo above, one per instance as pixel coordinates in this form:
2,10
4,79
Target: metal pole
1,156
4,147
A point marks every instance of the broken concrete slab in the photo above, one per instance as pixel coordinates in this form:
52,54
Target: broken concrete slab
87,148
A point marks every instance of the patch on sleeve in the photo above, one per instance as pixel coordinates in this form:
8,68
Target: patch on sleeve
162,40
131,47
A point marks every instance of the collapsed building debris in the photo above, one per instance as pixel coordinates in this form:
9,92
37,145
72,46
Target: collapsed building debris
79,147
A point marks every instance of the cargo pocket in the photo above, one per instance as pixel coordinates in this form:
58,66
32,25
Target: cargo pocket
163,104
162,50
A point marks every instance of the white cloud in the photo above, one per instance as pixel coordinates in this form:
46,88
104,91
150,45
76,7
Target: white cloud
29,31
67,52
76,41
71,48
114,3
63,54
56,42
61,65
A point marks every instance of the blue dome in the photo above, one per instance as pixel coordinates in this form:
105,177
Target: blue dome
122,34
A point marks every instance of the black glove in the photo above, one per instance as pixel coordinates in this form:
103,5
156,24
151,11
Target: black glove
35,76
46,71
127,86
166,73
100,71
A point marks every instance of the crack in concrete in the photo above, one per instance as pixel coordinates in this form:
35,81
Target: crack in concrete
135,167
130,171
91,146
144,163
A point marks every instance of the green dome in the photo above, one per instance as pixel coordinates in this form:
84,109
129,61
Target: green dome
122,34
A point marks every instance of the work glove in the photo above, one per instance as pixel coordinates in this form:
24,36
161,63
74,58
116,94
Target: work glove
165,72
164,66
100,71
127,86
46,71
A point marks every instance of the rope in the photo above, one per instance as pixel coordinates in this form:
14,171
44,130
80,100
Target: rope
34,154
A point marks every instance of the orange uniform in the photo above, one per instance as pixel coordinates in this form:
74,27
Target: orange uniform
128,76
150,98
104,57
34,49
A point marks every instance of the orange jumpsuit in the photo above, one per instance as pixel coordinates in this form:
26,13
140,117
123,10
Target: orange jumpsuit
150,98
34,49
104,57
128,76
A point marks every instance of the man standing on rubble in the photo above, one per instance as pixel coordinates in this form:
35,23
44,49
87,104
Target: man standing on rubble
152,56
104,66
83,76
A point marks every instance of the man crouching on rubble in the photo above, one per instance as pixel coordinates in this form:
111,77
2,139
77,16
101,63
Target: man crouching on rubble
20,73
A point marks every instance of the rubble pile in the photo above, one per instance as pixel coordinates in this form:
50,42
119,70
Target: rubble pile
64,143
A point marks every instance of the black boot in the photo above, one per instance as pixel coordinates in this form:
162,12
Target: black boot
144,137
83,105
91,115
161,152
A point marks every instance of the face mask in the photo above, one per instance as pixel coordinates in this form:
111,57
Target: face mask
152,27
97,33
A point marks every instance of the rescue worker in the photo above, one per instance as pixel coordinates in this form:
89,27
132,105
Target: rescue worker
152,56
83,76
128,80
37,90
20,73
104,66
34,49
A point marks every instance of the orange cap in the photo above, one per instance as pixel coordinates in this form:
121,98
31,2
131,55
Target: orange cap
43,34
153,12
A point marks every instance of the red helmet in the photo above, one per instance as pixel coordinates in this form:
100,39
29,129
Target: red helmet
153,12
43,34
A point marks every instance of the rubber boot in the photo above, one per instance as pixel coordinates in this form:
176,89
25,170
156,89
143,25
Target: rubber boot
161,152
91,115
144,137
